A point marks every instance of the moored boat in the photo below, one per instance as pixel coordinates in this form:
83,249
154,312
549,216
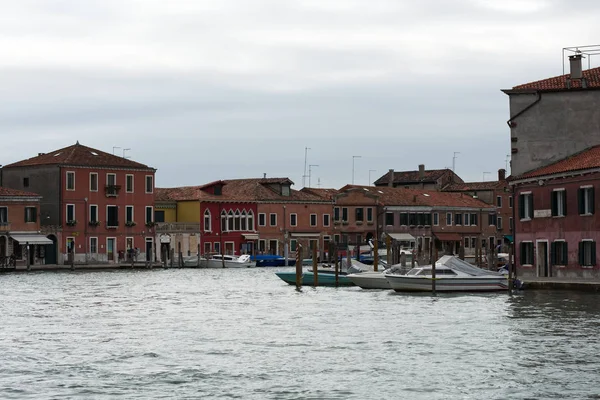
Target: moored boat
268,260
226,261
325,278
452,275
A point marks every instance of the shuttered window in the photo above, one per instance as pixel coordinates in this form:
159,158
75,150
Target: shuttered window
559,253
587,253
558,200
585,199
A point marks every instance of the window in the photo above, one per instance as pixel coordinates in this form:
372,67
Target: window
458,219
336,214
3,215
498,201
449,219
250,219
587,253
558,201
293,244
111,179
526,253
492,242
492,219
262,219
526,206
207,247
389,218
510,201
336,238
93,245
510,223
559,253
70,180
293,219
412,219
237,221
467,242
128,214
370,214
359,214
93,181
499,223
436,219
217,247
345,214
25,182
159,215
466,221
30,214
207,221
244,221
149,214
473,243
474,220
272,219
112,216
585,199
70,214
149,184
230,221
285,190
404,219
129,183
93,213
326,218
313,219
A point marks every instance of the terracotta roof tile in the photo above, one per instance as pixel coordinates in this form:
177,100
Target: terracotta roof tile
589,158
6,192
400,177
472,186
79,155
592,76
390,196
325,193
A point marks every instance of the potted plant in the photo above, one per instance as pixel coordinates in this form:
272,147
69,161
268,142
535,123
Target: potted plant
130,223
94,223
71,222
150,224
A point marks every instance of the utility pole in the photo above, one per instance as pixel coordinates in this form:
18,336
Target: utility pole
353,158
454,160
306,149
310,172
371,170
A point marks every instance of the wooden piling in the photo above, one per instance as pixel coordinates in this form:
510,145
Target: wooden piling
376,255
388,247
337,265
433,275
511,268
299,266
315,269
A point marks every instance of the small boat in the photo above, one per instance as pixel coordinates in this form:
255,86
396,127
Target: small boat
376,280
226,261
452,275
269,260
325,277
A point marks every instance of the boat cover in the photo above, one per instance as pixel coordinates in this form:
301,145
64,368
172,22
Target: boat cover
463,266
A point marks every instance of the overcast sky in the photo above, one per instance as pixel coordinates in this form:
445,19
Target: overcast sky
221,89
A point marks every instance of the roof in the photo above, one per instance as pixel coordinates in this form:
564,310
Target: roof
400,177
6,192
324,193
473,186
390,196
586,159
592,77
242,190
78,155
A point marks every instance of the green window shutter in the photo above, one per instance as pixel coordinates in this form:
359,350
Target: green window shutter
530,206
564,196
592,201
553,203
553,253
521,253
593,253
25,214
580,200
565,260
521,206
34,214
580,253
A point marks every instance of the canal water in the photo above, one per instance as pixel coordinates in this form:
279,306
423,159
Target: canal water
190,334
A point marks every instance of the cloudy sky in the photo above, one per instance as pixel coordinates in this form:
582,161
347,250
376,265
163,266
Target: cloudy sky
219,89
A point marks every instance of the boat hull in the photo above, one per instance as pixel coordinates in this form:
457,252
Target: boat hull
325,279
370,280
403,283
210,263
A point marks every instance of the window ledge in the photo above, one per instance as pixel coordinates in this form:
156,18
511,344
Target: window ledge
586,215
527,265
558,216
525,219
357,223
587,266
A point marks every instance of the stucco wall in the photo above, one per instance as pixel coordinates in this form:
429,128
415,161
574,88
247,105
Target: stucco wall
559,125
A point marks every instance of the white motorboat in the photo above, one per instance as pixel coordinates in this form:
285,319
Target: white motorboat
376,280
226,261
452,274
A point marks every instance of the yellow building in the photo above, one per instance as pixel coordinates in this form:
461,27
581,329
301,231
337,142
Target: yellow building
177,217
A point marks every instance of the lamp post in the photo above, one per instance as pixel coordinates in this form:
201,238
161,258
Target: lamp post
353,158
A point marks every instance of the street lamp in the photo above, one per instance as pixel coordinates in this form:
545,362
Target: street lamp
353,158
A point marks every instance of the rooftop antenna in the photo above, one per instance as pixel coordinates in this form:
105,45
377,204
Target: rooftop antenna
319,183
306,149
310,172
114,148
454,160
124,150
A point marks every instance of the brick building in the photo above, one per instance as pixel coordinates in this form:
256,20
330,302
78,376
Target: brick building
97,207
429,179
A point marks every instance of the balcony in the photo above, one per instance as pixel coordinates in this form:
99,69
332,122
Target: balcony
177,227
4,226
112,190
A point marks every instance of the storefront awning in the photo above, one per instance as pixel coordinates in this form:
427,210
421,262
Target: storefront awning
448,237
509,238
31,238
310,235
401,237
250,236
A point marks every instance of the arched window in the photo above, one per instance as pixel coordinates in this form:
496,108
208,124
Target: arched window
250,219
244,221
237,220
207,225
223,221
230,221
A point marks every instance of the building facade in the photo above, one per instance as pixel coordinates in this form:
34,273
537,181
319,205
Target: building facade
432,179
99,206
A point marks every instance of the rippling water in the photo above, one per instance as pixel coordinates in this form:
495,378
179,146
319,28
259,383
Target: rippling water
187,334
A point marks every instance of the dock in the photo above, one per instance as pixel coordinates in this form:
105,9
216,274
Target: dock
574,284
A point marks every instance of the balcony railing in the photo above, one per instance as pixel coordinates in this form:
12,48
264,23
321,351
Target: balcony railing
112,190
177,227
4,226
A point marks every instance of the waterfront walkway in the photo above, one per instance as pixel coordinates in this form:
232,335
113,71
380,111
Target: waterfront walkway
576,284
66,267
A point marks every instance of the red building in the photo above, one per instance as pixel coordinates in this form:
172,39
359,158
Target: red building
20,238
556,225
97,207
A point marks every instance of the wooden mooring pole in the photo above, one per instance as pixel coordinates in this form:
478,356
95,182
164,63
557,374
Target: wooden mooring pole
511,268
315,269
376,255
299,266
435,256
336,261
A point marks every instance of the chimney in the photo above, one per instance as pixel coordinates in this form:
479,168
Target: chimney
575,63
264,175
501,174
391,179
421,171
41,154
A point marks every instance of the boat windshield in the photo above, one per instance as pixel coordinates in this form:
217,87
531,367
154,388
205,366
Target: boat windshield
427,271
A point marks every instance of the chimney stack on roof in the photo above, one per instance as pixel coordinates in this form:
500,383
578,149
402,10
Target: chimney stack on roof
501,174
421,171
264,175
575,64
391,179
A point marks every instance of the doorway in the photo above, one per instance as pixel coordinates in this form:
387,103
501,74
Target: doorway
542,260
110,249
149,249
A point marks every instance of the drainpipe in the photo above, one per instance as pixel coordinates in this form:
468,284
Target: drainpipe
537,100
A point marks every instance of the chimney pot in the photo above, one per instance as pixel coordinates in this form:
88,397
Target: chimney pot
264,175
391,179
575,64
421,171
501,174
